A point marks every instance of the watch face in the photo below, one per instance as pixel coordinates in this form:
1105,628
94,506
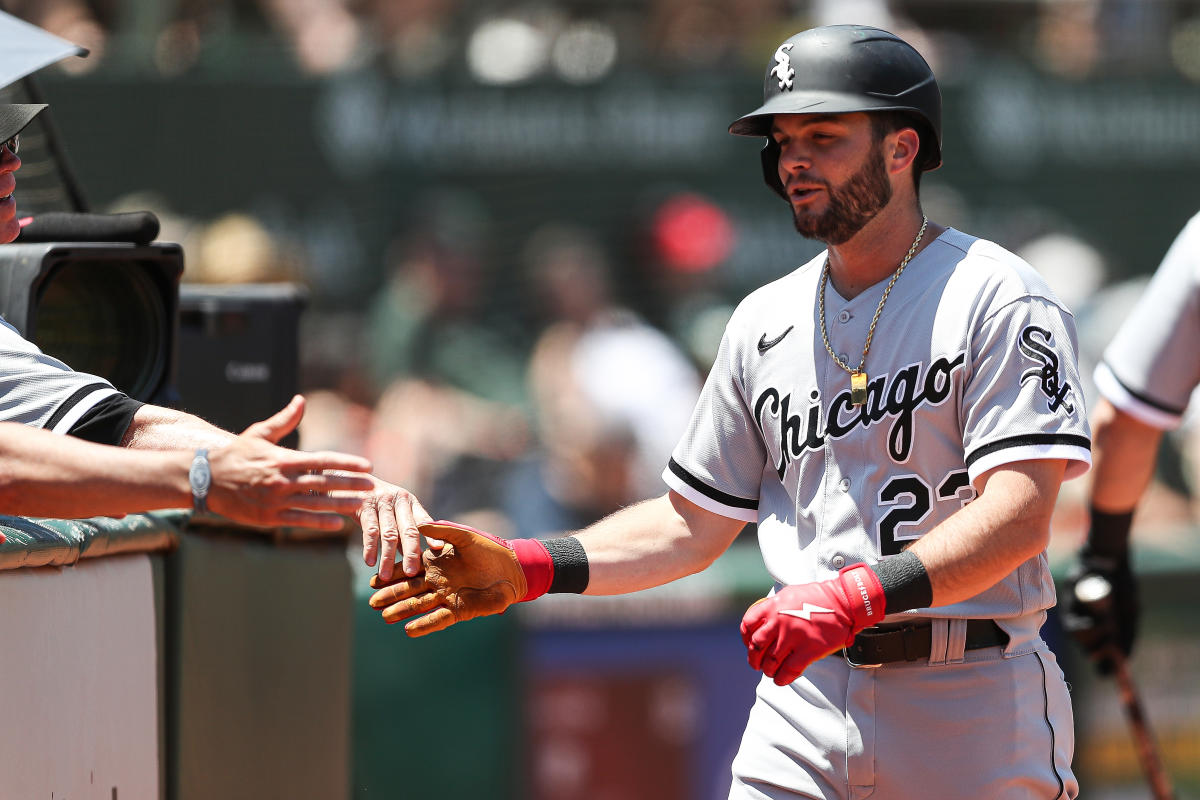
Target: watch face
199,476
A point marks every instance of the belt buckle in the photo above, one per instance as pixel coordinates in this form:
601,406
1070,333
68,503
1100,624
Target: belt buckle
855,664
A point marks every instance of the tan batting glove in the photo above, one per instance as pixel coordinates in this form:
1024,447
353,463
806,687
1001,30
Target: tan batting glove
475,575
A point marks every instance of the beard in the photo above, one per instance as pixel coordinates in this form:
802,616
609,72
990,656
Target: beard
851,205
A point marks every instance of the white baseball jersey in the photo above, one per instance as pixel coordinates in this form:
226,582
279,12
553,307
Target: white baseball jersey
36,389
973,365
1151,367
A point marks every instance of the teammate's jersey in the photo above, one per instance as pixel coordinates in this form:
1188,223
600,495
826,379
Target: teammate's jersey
973,365
1152,365
36,389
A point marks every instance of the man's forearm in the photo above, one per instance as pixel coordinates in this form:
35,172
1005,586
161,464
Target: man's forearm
1008,524
44,474
652,543
1124,451
158,428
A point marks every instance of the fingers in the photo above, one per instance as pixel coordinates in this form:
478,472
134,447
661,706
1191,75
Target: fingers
334,482
320,501
449,532
438,620
410,535
790,669
298,518
420,515
389,536
368,520
388,593
411,606
279,424
325,459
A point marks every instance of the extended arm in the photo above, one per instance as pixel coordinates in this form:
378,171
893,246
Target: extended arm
645,545
253,482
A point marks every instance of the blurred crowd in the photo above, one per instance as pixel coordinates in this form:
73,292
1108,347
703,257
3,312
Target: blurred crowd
528,418
580,41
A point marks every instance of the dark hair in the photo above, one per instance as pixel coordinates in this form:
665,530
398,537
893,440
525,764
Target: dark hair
885,122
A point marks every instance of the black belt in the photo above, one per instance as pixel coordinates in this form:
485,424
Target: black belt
876,646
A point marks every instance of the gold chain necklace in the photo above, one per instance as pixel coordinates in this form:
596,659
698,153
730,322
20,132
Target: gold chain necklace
858,377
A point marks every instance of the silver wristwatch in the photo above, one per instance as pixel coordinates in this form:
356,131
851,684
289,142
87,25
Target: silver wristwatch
200,479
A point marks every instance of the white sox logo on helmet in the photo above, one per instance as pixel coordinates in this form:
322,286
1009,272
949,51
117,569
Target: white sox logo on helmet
783,67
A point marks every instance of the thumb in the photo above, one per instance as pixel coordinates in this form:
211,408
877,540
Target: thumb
453,533
279,424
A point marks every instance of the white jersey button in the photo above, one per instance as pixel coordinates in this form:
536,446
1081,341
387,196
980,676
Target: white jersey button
838,562
844,484
844,316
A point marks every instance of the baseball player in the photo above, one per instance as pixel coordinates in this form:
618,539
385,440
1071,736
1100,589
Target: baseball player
896,416
1145,379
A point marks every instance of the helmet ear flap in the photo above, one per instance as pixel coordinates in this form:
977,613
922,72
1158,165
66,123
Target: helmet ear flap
770,167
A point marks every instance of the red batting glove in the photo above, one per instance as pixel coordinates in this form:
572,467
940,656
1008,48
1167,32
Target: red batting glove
785,633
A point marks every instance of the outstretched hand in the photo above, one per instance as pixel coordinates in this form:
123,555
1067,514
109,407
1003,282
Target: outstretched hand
256,482
389,516
474,574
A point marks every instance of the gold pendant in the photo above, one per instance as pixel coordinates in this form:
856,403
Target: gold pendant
858,388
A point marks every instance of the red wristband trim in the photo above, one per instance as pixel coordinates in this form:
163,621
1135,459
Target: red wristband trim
864,593
535,560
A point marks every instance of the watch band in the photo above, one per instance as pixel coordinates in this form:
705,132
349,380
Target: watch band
200,479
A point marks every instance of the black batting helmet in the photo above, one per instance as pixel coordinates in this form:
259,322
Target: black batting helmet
838,69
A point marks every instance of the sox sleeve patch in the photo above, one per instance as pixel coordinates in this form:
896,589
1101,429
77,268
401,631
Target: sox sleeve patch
1023,399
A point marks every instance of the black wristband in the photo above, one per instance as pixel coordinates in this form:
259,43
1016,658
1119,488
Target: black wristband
905,582
1109,533
570,565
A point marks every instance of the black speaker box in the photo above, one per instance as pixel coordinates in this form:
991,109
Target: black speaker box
238,360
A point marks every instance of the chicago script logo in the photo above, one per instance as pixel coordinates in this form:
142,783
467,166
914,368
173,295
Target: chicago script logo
1047,374
896,395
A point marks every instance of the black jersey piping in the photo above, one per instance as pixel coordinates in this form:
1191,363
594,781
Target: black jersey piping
73,401
1029,439
708,491
1141,398
1046,714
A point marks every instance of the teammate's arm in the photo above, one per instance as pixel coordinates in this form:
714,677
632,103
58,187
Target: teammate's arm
1124,450
1123,454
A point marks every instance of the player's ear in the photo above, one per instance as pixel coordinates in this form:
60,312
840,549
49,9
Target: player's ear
905,144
